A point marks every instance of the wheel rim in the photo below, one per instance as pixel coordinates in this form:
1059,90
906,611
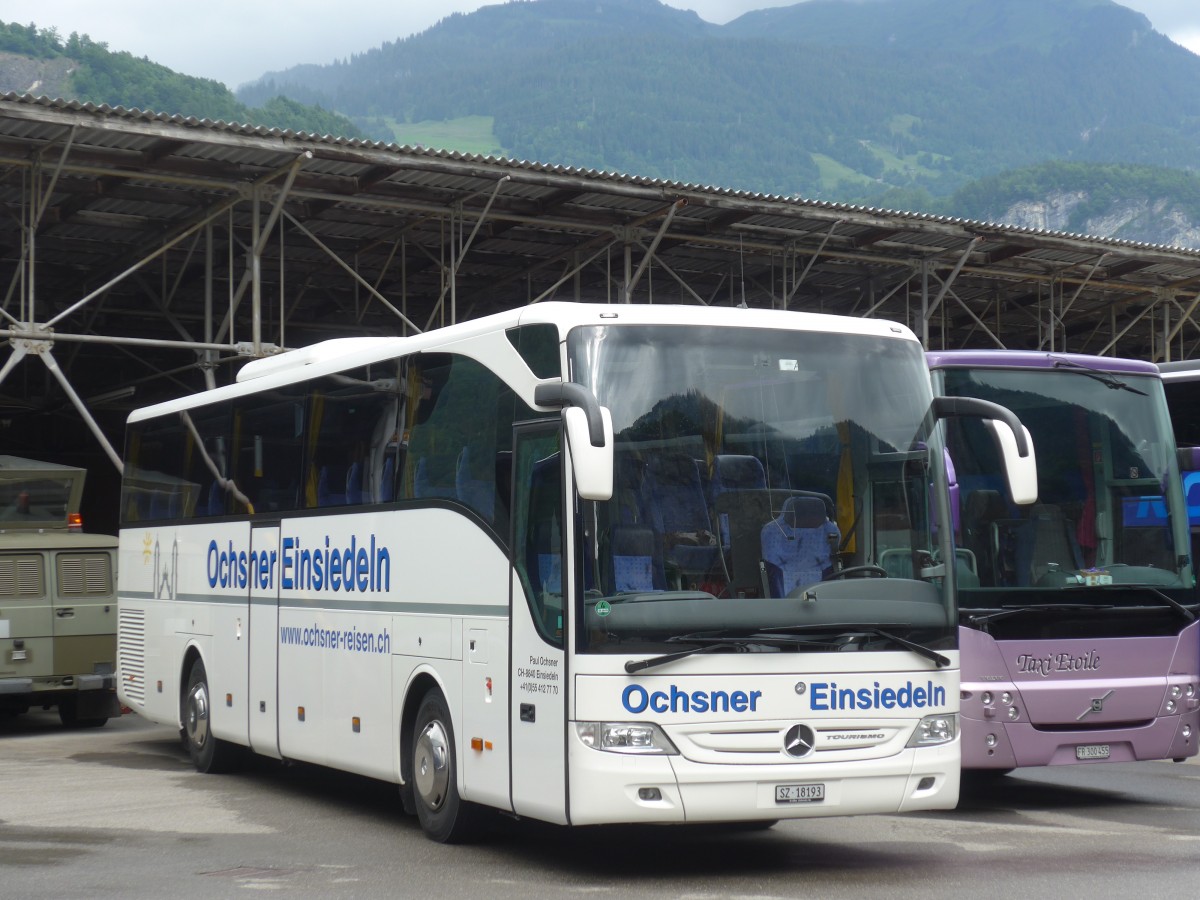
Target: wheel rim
197,715
431,765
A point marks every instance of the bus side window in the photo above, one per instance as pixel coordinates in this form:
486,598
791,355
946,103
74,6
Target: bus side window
459,425
269,430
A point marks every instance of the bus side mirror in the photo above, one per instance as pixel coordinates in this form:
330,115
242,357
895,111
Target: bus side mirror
589,435
592,465
1012,440
1019,471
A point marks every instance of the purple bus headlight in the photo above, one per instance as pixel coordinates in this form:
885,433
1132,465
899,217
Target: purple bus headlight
934,730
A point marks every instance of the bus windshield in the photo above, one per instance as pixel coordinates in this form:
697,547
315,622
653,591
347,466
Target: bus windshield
766,482
1109,508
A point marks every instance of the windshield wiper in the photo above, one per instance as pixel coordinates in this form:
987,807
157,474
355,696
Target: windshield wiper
1107,379
707,642
1006,611
877,630
919,649
1170,601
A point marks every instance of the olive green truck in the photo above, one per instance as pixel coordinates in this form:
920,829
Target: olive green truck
58,606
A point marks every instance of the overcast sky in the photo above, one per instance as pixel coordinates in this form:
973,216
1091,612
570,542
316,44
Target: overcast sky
235,41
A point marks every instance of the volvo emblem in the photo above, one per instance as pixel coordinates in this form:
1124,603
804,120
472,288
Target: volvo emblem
801,687
1097,706
799,741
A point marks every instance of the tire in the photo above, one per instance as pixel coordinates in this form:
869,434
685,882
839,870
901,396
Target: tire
68,714
444,816
209,754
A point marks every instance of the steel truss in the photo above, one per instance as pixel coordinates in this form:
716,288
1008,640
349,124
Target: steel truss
161,252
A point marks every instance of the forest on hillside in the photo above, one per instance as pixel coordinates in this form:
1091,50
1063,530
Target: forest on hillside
848,101
120,79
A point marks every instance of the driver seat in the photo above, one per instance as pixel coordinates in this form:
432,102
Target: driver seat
798,545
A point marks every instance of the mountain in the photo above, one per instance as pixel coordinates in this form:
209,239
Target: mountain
840,99
1135,203
39,62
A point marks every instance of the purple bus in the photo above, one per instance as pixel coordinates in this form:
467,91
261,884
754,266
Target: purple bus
1078,614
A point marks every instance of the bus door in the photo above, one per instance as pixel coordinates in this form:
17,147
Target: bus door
538,718
264,643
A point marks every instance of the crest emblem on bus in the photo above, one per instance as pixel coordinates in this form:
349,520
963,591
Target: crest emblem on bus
1097,706
164,572
799,741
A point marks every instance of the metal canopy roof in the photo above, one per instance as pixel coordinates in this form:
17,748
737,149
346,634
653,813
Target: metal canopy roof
144,251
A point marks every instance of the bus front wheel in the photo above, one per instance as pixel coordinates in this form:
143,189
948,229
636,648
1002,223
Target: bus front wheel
444,816
208,753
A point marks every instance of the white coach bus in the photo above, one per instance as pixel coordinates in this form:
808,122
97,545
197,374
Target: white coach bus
580,563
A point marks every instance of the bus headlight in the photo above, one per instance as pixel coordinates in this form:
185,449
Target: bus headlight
933,730
625,737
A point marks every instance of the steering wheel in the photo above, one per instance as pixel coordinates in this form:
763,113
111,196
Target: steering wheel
864,571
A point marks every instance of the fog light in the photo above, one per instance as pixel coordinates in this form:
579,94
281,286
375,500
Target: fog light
1187,731
990,740
1170,706
649,794
1006,697
1191,690
986,697
1013,712
925,783
1176,692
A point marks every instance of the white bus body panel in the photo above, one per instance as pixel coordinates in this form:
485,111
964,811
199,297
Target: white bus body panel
340,655
730,762
264,653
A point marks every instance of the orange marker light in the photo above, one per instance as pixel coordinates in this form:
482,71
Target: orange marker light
477,744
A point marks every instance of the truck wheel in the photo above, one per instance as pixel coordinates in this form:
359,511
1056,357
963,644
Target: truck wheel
68,714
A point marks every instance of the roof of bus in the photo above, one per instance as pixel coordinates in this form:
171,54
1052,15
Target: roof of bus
340,354
1180,370
1034,359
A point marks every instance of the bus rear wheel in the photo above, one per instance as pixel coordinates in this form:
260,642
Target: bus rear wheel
444,816
209,754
